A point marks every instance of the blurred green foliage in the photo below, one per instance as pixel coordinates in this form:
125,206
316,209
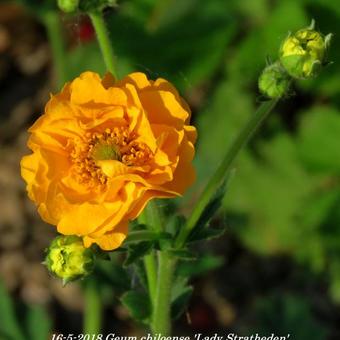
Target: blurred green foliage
283,315
284,197
34,322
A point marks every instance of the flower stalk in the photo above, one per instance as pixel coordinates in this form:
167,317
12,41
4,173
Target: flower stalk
150,263
151,275
103,40
243,137
93,308
161,316
159,275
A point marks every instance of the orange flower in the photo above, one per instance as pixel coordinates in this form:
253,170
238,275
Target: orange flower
103,149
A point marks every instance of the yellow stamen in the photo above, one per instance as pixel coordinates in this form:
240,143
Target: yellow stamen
116,144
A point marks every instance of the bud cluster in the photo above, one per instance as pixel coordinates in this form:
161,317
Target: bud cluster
301,56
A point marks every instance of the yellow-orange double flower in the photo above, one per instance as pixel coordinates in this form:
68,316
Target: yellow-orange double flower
103,149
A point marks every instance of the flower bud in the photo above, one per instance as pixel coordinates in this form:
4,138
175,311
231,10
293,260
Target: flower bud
302,54
68,259
274,81
68,6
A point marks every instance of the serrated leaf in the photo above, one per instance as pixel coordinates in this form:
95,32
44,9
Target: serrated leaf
179,305
140,235
207,234
175,223
211,208
202,265
180,295
179,285
183,254
146,235
100,254
113,274
138,305
137,251
141,274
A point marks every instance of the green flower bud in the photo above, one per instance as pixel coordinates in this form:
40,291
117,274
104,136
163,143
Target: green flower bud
274,81
302,54
68,6
68,259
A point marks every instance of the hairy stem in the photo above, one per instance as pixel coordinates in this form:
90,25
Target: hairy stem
103,40
151,274
149,260
159,274
161,316
154,216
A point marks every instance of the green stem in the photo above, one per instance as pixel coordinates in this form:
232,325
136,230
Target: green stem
154,216
245,134
159,285
161,316
52,23
93,308
151,275
103,40
149,260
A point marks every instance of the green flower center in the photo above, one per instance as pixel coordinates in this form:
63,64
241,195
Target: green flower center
105,151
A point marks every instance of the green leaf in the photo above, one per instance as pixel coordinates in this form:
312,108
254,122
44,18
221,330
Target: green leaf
137,251
190,46
175,223
289,315
202,265
138,305
180,303
145,235
207,233
38,324
136,226
180,295
141,274
211,209
335,280
183,254
99,253
9,325
270,191
319,141
113,274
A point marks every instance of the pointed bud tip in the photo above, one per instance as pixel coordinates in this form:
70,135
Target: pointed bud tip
312,25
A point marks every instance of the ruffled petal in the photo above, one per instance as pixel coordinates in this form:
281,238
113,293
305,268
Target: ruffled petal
110,240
